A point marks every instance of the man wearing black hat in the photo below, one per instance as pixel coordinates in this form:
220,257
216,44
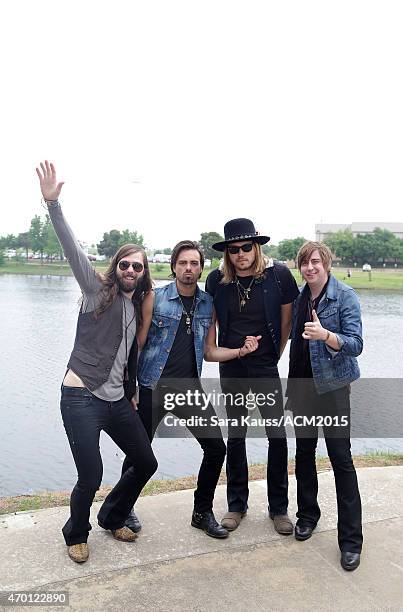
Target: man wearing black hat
252,296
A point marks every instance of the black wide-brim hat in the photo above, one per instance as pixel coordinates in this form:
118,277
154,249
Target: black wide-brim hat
237,230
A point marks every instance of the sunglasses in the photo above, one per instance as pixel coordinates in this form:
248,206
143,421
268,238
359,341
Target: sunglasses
125,265
246,248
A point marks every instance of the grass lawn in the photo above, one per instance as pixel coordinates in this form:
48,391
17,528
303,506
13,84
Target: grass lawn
49,499
388,280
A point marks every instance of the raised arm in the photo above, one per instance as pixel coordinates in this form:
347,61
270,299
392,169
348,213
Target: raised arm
78,260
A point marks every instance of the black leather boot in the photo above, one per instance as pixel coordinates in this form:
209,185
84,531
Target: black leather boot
132,522
206,521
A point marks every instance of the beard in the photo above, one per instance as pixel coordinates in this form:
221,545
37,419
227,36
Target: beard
127,284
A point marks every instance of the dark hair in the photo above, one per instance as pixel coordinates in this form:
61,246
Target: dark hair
184,245
111,286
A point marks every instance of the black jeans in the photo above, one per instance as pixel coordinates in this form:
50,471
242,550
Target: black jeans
84,416
265,379
334,404
151,413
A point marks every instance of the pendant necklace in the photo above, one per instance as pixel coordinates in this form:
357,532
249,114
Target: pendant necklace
188,315
243,292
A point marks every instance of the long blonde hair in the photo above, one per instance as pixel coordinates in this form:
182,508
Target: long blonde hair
258,268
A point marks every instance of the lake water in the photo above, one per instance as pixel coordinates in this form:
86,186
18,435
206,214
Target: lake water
38,317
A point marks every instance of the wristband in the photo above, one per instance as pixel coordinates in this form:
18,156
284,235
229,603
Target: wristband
328,336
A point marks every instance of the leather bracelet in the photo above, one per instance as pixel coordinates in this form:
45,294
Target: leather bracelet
328,336
239,354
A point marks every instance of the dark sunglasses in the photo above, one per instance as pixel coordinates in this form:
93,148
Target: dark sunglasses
246,248
125,265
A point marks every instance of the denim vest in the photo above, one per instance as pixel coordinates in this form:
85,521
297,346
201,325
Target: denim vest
167,313
272,298
339,312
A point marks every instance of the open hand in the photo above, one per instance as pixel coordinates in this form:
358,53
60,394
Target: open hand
47,179
314,330
250,345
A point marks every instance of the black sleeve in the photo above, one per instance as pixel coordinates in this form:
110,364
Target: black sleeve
212,282
289,288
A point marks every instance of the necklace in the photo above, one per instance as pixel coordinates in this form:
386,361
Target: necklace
188,315
243,292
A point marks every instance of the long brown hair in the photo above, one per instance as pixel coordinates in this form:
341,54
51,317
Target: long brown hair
111,286
259,266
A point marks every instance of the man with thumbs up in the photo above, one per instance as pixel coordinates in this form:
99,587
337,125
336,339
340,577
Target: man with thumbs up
326,338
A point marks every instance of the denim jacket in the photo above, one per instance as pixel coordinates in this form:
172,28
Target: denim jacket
167,313
339,312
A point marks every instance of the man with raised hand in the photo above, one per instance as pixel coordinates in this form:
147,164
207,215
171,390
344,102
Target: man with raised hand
101,379
252,296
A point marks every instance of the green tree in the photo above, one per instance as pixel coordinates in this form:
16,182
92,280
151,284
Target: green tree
114,239
52,245
1,257
23,241
166,251
207,239
288,248
8,242
109,243
128,237
397,250
384,244
341,244
364,248
36,236
271,250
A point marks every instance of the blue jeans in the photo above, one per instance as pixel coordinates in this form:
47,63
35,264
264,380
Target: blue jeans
84,416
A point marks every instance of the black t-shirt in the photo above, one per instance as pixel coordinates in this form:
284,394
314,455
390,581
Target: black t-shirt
250,320
181,362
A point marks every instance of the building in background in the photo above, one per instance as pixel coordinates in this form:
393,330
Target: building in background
366,227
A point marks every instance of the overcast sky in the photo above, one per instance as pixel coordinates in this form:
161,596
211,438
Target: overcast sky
171,117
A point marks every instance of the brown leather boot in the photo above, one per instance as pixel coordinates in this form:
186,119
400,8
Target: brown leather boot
79,552
231,520
282,524
124,534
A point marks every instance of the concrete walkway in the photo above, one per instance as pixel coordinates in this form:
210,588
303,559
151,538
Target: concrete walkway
173,566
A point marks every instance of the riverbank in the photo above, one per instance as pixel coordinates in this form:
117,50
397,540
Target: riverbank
21,503
377,280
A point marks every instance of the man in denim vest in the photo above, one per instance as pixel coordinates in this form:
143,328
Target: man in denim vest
252,296
326,339
176,320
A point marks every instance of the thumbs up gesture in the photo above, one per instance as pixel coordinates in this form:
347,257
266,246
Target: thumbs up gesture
313,329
